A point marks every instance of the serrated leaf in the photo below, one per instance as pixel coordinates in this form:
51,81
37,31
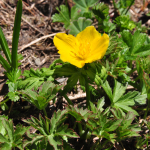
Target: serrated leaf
65,131
64,15
54,141
34,78
3,139
84,5
79,113
100,11
118,87
118,100
136,44
108,90
124,22
100,103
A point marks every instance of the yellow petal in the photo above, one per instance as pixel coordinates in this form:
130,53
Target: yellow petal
98,49
66,45
64,42
74,61
88,34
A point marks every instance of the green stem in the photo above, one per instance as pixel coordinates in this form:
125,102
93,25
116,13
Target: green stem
130,64
131,71
87,89
114,5
66,97
129,7
68,100
1,103
80,127
47,123
147,109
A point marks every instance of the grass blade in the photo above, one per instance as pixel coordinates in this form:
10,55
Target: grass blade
4,46
4,64
16,34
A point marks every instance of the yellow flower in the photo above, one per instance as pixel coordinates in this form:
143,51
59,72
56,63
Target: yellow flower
86,47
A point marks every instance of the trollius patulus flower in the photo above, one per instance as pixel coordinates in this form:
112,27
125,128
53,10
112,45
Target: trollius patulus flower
88,46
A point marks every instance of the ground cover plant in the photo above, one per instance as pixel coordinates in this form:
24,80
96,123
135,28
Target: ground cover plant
100,54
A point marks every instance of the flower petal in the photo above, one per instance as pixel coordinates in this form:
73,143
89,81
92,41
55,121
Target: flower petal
98,48
66,45
88,34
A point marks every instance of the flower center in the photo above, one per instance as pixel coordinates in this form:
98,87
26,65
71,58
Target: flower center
83,50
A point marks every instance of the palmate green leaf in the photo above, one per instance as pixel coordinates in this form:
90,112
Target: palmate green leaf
54,134
79,25
84,5
41,99
64,15
13,137
126,129
119,100
103,127
34,78
136,44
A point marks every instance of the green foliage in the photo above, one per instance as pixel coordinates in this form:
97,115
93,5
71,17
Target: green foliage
64,15
142,142
102,127
34,78
123,6
53,133
11,67
123,102
13,93
10,138
101,12
126,128
136,44
85,5
79,25
124,22
41,99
